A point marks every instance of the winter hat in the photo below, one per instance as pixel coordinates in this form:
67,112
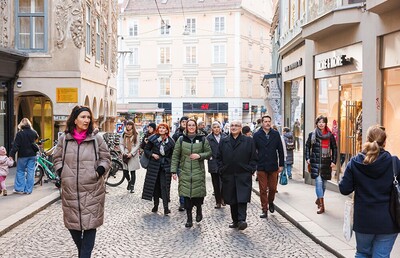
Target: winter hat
153,125
184,118
3,151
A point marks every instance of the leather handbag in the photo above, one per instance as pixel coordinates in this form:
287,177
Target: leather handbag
125,158
395,194
35,147
144,161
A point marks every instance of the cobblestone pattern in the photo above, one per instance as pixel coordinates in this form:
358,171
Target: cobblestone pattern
132,230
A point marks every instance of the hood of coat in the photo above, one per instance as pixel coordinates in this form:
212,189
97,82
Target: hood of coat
377,168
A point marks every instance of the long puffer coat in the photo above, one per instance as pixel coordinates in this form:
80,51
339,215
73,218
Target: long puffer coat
321,165
83,193
153,146
192,177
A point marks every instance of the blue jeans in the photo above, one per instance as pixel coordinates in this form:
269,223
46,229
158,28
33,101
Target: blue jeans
25,176
320,186
288,168
376,246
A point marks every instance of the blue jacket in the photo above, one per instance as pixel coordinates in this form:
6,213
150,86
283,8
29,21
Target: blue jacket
23,143
269,149
372,184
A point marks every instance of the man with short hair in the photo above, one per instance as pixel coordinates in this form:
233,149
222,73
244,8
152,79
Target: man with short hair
237,161
270,163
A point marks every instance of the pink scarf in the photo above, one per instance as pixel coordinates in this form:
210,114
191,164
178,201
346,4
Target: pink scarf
79,136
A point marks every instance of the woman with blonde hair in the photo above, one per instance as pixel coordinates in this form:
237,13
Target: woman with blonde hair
24,145
370,176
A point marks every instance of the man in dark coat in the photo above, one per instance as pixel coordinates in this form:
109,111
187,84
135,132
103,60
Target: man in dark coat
269,148
237,161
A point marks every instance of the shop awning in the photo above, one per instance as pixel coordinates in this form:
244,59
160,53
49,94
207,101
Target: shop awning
143,110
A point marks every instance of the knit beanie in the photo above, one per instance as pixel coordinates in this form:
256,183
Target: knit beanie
3,151
153,125
184,118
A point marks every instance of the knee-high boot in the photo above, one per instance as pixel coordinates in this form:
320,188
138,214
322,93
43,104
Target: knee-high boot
199,213
126,175
132,181
189,222
321,208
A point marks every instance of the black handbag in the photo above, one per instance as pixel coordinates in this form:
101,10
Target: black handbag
35,147
395,195
144,161
125,158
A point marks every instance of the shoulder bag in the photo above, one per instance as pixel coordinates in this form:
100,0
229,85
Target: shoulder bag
395,195
144,161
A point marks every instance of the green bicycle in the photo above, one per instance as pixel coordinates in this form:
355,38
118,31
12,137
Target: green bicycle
44,166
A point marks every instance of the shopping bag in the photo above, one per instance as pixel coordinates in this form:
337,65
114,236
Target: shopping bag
348,219
283,179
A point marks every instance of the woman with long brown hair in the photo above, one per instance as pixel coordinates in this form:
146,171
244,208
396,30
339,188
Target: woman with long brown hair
370,176
129,145
157,183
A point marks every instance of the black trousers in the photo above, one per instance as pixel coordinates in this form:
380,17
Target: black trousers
160,189
217,186
239,212
85,242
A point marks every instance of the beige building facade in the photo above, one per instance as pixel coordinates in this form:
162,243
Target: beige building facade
71,50
202,59
349,67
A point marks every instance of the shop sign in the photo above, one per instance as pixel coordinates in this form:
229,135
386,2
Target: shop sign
207,107
294,65
333,62
67,95
246,107
60,118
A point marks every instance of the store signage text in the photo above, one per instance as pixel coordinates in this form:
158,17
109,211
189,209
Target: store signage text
333,62
60,118
294,65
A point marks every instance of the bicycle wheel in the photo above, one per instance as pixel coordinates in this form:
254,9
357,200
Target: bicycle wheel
115,175
39,172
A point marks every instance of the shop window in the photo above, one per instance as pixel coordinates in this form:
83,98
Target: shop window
391,108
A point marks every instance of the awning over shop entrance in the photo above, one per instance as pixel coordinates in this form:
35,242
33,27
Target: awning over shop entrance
139,108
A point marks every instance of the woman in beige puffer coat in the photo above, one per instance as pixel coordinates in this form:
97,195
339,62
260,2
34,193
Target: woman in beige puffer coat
81,159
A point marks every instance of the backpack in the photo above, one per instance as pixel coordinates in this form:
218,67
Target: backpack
289,143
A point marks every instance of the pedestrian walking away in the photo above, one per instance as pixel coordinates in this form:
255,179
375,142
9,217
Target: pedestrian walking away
321,154
5,164
157,183
129,146
290,146
270,163
178,133
370,176
24,144
81,160
214,139
237,160
188,157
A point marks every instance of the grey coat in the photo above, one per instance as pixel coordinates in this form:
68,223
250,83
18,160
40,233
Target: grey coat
133,163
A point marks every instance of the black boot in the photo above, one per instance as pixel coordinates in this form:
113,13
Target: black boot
132,182
126,175
199,213
156,203
189,222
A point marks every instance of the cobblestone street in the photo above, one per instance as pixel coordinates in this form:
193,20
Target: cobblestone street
132,230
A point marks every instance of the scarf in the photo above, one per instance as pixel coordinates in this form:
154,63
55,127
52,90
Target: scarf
128,140
163,141
79,136
324,136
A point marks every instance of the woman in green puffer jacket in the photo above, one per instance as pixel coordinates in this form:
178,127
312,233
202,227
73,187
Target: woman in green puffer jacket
191,149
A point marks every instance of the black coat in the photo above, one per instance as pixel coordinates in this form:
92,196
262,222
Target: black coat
372,184
155,166
236,165
212,161
318,163
23,143
269,149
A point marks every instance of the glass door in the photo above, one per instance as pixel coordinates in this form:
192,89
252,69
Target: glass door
350,122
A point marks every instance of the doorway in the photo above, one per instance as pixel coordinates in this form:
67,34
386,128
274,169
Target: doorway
350,118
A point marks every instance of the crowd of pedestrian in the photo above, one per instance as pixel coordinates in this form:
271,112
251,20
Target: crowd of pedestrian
234,153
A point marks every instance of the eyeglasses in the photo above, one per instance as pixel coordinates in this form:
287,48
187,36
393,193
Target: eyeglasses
235,125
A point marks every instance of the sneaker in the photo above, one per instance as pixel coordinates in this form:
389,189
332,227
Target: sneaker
17,192
4,192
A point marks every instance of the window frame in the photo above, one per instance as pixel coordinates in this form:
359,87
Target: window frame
166,59
98,40
133,87
164,86
217,58
221,91
88,40
32,35
190,55
189,82
164,29
134,26
190,25
219,30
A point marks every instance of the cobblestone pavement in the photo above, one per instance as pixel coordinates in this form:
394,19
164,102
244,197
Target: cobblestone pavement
132,230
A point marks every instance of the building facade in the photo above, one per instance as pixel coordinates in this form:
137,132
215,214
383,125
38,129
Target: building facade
344,53
71,51
203,59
